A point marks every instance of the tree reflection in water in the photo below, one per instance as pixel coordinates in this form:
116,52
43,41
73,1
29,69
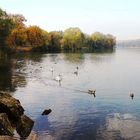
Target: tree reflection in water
12,70
74,57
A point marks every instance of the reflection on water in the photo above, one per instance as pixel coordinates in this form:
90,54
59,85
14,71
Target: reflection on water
10,74
120,126
74,57
13,72
76,115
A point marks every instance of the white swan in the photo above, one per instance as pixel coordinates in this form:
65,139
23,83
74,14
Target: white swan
58,78
52,69
76,71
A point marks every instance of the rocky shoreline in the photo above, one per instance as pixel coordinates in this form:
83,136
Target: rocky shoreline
12,118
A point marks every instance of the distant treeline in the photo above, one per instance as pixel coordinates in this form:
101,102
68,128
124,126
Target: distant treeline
16,36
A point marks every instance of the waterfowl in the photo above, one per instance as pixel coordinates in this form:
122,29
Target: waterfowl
93,92
58,78
131,95
52,69
76,72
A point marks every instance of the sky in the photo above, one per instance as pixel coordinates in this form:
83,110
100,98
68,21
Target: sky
118,17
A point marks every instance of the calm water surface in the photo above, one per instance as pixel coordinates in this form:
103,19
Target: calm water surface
77,115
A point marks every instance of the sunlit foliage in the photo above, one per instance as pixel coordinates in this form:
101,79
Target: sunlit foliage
72,39
35,36
15,34
17,37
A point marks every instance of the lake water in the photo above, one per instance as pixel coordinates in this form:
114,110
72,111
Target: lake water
77,115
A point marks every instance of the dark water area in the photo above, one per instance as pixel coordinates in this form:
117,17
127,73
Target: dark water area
77,115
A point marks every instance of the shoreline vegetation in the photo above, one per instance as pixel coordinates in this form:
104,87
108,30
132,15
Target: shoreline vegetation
15,36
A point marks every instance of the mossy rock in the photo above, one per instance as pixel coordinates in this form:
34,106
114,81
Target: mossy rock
10,106
24,126
5,125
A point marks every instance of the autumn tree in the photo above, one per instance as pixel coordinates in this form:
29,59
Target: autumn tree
14,34
55,40
72,39
35,36
6,25
17,38
12,29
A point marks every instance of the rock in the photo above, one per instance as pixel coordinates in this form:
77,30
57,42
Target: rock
11,112
5,125
24,126
10,106
46,111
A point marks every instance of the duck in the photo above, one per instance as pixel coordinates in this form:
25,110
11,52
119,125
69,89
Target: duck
76,72
93,92
131,95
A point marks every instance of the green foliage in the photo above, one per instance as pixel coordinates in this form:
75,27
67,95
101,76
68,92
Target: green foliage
72,39
98,40
6,26
15,34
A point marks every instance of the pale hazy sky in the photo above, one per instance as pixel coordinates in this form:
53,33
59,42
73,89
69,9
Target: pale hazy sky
118,17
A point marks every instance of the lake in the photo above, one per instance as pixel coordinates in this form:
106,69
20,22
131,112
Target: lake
77,115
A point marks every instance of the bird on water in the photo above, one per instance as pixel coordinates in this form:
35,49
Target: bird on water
92,92
59,79
131,94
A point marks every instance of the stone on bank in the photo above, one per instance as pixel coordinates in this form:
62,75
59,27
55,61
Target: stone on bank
12,117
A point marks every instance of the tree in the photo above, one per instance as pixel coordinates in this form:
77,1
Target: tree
100,40
72,39
17,38
15,34
18,20
6,25
35,36
55,40
12,29
110,41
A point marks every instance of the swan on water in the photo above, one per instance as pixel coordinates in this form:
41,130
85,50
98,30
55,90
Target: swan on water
76,71
58,78
52,70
